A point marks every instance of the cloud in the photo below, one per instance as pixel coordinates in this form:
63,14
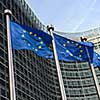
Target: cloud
85,16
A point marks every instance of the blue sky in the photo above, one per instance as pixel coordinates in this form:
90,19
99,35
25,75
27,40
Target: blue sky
68,15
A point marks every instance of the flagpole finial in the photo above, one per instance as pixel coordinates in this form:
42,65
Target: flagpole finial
83,39
50,27
7,12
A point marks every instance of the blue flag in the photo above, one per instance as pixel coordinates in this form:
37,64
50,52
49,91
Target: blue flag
69,50
96,59
24,37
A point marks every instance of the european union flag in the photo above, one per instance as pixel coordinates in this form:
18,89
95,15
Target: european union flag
69,50
96,59
24,37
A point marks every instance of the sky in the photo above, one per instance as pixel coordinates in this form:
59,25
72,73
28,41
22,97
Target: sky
67,15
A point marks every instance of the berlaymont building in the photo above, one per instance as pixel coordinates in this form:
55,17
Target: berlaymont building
36,78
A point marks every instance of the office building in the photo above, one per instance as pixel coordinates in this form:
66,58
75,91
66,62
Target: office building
78,78
35,77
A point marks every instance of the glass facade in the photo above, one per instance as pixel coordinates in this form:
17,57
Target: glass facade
35,77
94,37
78,81
77,77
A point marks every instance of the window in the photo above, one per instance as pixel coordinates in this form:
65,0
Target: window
2,98
1,27
0,18
1,39
3,93
2,82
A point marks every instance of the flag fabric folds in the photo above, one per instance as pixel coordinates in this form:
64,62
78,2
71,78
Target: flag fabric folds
96,59
24,37
69,50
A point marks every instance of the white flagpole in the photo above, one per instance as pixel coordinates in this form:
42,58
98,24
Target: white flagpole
93,71
94,75
10,59
63,94
96,80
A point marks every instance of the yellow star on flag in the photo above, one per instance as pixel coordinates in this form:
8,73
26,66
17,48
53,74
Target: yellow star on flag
30,33
24,31
39,47
29,44
41,42
23,35
64,45
80,46
39,38
35,34
81,51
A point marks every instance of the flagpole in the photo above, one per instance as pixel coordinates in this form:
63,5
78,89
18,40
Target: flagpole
94,76
50,29
93,70
8,13
96,80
